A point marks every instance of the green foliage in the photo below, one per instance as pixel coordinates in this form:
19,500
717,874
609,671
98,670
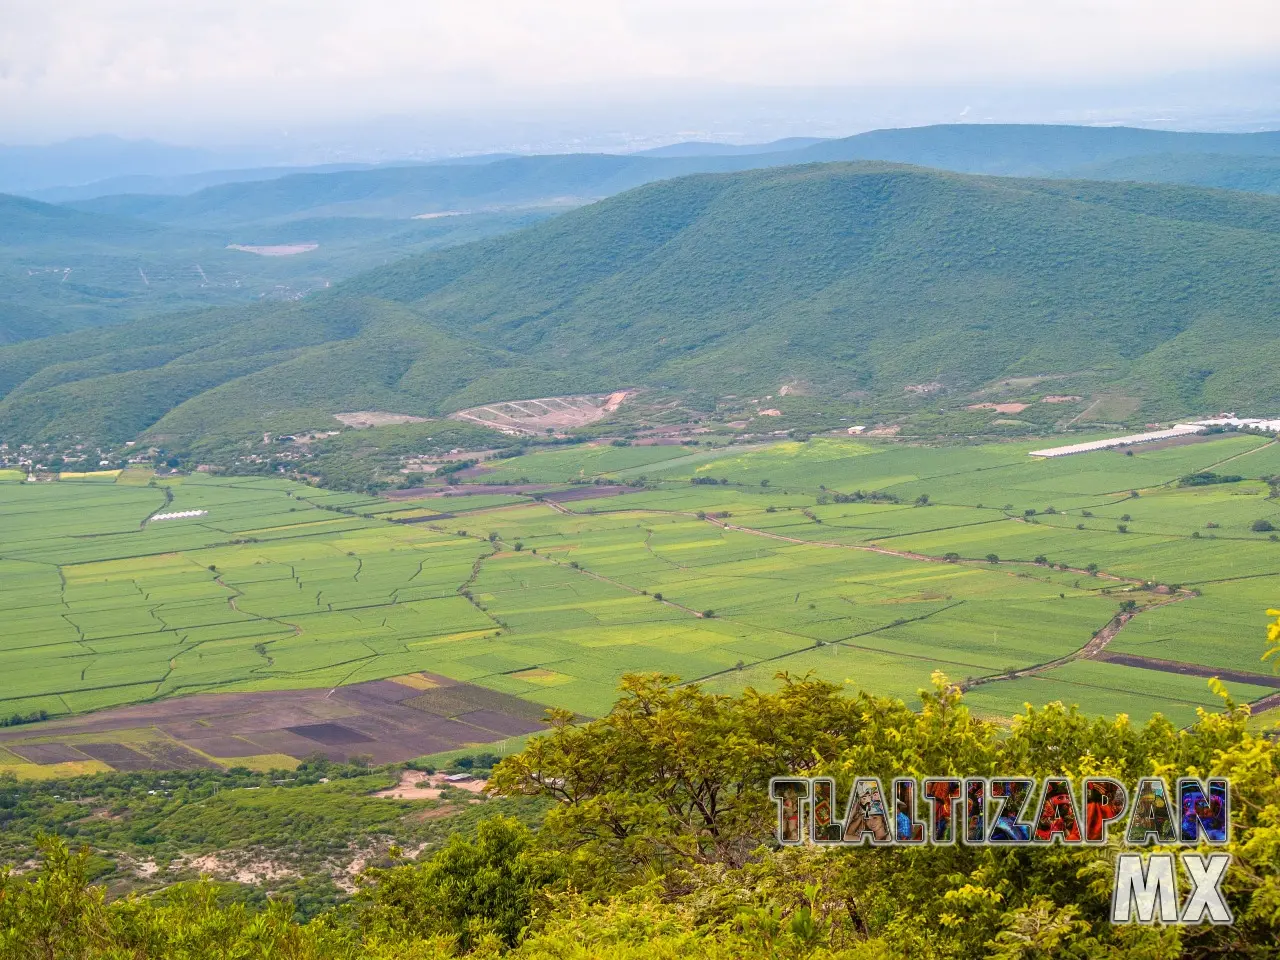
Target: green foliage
1207,478
660,845
467,890
17,719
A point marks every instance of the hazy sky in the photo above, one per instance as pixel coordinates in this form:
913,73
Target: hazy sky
150,67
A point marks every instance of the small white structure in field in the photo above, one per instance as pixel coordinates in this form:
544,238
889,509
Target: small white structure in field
180,515
1177,430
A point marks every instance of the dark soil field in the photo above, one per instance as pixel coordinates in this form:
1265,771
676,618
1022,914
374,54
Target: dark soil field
587,493
374,719
465,490
1191,669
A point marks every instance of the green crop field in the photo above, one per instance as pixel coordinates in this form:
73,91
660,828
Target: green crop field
976,561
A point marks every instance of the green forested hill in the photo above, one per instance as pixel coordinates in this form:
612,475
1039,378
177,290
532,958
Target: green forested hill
1257,174
119,257
861,279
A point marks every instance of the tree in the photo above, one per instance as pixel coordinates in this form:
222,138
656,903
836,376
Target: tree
1262,526
468,889
993,558
676,775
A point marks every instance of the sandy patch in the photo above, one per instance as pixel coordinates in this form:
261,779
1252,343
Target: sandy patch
416,681
246,869
1063,398
884,431
523,417
276,250
771,413
408,788
999,407
363,419
923,387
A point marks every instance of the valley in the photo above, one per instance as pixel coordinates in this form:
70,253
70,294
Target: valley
867,562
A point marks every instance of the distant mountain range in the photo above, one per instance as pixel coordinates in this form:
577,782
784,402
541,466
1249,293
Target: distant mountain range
31,168
702,148
1211,159
854,280
1013,149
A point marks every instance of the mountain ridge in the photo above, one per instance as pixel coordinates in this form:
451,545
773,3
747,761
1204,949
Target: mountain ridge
859,280
402,191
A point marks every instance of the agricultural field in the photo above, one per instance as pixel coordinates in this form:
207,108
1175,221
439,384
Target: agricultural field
1097,579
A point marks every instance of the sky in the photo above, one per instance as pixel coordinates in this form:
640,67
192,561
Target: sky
210,70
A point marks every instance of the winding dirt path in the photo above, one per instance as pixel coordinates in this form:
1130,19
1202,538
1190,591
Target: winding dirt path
1097,643
1089,651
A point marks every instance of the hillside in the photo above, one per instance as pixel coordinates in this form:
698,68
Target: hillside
64,269
853,280
1256,174
166,248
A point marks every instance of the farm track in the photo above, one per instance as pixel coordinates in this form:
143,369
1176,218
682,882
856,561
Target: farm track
1089,651
907,554
1096,645
1237,456
622,586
